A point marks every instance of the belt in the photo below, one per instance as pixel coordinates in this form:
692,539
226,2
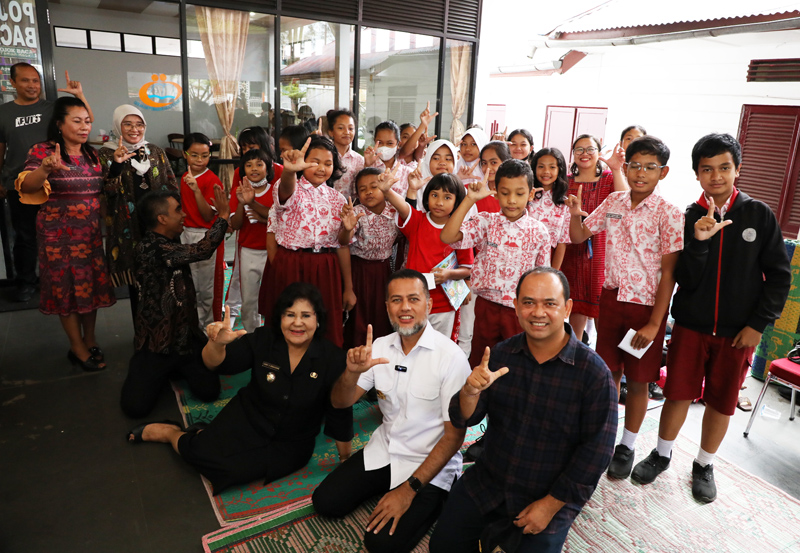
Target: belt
318,250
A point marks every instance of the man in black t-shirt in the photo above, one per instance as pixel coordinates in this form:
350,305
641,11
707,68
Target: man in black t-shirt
23,123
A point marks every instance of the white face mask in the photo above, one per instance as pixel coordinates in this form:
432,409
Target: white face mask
386,153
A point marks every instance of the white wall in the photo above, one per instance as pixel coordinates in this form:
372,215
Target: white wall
678,90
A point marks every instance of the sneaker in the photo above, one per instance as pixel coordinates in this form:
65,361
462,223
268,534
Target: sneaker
656,392
704,489
621,462
623,393
648,470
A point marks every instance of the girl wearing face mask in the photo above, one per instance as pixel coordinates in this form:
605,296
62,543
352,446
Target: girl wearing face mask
342,130
125,184
385,154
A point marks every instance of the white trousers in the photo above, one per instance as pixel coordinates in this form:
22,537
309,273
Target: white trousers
443,322
467,314
202,276
251,269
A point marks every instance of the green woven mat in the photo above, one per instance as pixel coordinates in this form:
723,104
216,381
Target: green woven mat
295,490
253,499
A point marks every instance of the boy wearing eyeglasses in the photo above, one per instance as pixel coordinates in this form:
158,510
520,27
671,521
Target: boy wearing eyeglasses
733,278
644,233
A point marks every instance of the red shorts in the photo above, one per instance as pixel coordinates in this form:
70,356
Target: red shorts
614,321
493,324
694,356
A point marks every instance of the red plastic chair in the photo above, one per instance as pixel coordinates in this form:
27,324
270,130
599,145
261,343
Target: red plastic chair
783,371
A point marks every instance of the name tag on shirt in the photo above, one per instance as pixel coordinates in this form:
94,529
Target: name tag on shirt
613,216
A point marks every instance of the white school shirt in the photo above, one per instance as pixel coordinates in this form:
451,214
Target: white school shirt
414,404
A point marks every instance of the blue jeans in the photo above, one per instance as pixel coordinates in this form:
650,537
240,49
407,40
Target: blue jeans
461,523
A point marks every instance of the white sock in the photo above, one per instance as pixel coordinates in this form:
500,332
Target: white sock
664,447
704,458
628,438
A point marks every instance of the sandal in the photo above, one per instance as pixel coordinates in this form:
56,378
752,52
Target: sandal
91,365
137,431
97,353
744,403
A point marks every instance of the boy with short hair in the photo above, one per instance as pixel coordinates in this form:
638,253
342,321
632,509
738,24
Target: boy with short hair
644,233
733,279
509,243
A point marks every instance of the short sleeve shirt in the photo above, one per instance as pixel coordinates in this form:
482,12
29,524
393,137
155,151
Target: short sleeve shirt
554,217
375,233
426,250
352,162
635,242
415,404
506,249
205,182
20,128
310,218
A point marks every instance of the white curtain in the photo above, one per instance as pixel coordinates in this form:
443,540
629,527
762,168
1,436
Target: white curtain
224,37
459,85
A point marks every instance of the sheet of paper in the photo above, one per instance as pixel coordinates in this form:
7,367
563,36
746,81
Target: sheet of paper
625,345
431,280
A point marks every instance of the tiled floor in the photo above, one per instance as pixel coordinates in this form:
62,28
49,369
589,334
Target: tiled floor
70,482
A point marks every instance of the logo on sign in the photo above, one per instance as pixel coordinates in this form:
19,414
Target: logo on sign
159,94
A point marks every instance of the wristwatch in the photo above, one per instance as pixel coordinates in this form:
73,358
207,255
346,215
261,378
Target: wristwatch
415,484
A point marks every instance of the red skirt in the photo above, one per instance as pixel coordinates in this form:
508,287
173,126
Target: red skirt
320,269
369,284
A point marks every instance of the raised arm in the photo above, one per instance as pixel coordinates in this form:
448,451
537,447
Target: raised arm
577,230
476,192
385,182
359,360
75,88
220,334
615,161
293,162
425,119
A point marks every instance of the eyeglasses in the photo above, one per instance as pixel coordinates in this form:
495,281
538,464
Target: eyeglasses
581,151
199,156
639,167
137,126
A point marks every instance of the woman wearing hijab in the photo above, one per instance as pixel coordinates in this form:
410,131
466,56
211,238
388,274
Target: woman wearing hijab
125,184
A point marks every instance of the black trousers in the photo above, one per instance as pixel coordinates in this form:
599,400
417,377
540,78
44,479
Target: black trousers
148,372
26,255
461,524
351,484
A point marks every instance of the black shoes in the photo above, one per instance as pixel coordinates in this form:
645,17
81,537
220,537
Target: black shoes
648,470
656,392
704,489
621,463
90,365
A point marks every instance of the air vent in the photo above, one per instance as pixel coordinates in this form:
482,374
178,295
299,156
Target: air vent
423,15
785,70
463,18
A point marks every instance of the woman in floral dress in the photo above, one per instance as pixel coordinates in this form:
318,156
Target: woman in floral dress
64,175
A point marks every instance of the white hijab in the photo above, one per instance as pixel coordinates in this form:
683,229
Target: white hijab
119,114
481,140
425,166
